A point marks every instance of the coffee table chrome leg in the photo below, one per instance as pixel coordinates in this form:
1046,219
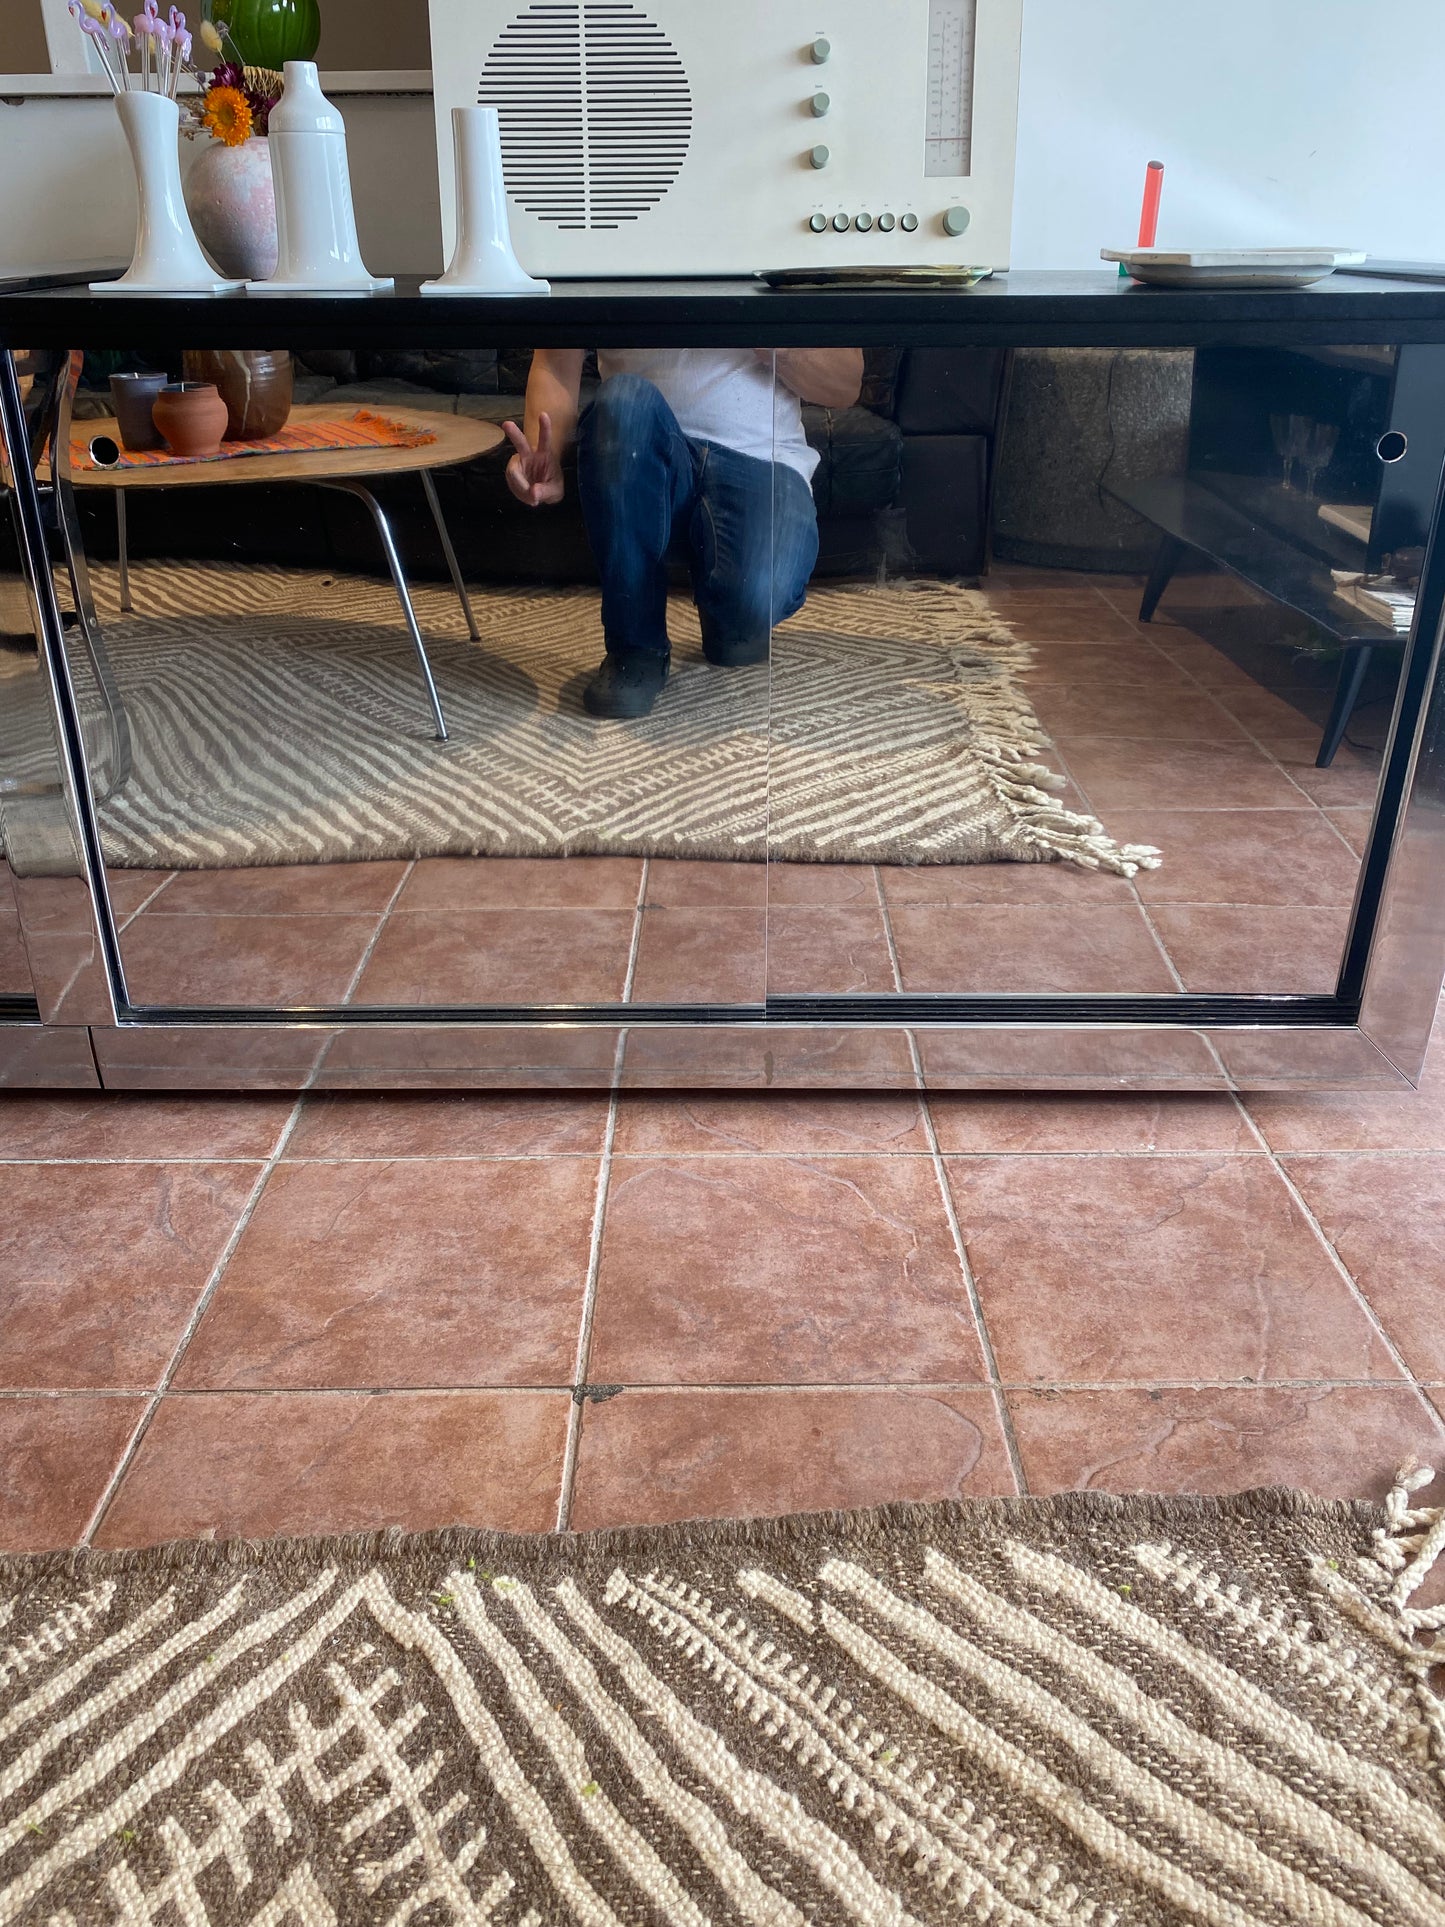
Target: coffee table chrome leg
403,594
450,553
92,635
122,550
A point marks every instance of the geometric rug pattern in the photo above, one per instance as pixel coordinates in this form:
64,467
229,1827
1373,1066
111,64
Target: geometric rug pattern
279,717
1077,1712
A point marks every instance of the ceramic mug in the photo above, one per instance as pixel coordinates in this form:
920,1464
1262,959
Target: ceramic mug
132,397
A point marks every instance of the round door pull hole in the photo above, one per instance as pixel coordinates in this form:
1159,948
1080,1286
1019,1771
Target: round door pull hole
1392,445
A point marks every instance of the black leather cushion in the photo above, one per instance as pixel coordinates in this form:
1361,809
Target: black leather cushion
949,391
469,371
338,363
945,499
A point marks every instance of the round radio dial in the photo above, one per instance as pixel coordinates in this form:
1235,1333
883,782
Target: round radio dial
820,104
955,220
818,157
820,50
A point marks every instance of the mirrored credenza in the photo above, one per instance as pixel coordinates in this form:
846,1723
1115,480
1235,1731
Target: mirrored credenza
1091,757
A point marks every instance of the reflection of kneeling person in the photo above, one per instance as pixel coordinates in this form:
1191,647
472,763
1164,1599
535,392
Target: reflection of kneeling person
694,453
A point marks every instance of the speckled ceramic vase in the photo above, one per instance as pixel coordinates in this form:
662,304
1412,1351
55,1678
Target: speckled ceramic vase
232,206
254,383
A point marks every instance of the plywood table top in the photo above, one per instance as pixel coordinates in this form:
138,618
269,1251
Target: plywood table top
458,439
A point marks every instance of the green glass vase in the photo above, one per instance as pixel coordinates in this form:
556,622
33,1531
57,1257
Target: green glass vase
268,33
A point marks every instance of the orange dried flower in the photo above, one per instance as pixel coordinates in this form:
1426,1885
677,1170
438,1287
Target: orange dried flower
227,113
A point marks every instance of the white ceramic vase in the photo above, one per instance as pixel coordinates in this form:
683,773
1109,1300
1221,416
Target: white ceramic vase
168,258
483,261
232,205
317,248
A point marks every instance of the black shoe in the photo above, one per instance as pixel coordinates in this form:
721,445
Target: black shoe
736,655
626,685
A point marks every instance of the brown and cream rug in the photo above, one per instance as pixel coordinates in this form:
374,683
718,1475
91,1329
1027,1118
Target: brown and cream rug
1080,1712
279,717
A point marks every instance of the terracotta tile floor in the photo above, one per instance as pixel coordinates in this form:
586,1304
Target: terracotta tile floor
255,1315
1161,734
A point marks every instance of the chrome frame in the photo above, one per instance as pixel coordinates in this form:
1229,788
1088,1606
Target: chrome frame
1397,971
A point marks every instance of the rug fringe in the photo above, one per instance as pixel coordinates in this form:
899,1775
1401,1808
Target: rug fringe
1407,1546
1007,736
1142,1510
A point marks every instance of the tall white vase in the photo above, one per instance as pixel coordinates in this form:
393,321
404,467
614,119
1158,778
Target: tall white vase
317,248
168,257
483,261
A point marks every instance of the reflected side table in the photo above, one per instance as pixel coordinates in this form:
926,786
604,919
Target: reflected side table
456,439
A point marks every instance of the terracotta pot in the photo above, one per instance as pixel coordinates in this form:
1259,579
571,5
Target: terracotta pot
191,416
232,204
133,397
254,383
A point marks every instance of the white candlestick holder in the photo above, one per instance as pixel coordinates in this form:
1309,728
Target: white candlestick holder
483,261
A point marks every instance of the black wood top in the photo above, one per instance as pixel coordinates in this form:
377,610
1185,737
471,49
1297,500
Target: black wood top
1086,309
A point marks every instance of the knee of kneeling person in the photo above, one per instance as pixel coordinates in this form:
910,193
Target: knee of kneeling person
623,410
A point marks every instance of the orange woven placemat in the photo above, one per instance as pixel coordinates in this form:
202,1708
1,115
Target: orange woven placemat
361,430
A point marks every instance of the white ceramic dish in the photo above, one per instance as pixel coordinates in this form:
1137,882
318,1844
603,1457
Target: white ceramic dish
1232,267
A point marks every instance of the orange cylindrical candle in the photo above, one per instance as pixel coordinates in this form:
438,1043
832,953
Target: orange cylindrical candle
1149,212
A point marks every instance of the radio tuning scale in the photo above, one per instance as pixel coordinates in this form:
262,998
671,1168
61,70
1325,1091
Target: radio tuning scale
948,142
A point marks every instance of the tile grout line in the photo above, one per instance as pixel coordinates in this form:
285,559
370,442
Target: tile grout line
1320,809
572,1447
630,973
124,923
1250,736
831,1153
355,979
1333,1255
950,1212
1133,888
686,1388
208,1292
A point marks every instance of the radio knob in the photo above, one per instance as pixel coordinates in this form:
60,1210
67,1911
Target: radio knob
908,223
818,157
820,104
820,50
818,223
841,222
887,222
955,220
864,221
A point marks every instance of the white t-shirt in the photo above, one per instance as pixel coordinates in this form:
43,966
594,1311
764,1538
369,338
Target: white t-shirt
722,395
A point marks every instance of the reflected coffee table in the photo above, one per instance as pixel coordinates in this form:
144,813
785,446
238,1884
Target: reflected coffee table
457,439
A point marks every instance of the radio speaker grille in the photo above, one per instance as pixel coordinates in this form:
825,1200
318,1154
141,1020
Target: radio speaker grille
595,111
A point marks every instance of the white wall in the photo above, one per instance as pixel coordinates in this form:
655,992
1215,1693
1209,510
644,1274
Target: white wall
1305,120
67,193
1277,120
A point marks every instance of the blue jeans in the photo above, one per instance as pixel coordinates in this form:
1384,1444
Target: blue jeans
746,528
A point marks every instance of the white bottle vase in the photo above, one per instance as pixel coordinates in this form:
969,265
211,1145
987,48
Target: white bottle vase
317,249
482,261
168,257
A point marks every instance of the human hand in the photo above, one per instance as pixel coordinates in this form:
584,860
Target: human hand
534,475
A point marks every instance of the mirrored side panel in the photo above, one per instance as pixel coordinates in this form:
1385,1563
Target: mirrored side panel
1091,685
417,715
39,853
22,715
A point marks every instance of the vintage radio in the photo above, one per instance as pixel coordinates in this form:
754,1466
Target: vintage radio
718,137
